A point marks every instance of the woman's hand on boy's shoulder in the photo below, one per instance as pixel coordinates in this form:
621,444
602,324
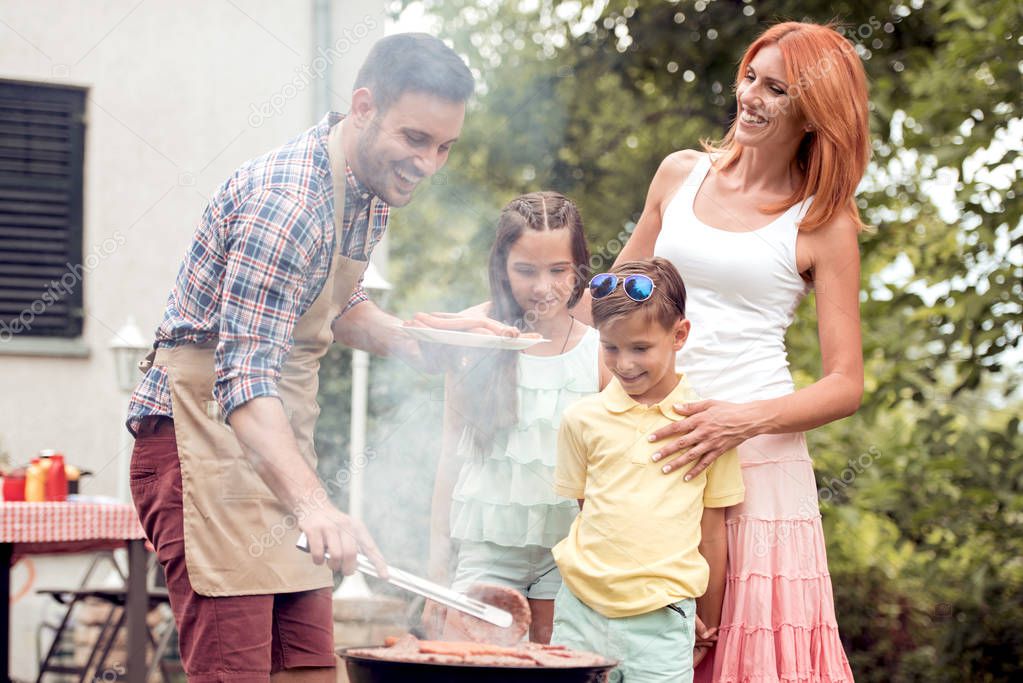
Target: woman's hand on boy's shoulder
711,429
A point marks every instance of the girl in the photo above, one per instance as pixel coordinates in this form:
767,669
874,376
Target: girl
494,489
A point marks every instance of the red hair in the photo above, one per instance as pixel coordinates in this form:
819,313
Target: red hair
829,87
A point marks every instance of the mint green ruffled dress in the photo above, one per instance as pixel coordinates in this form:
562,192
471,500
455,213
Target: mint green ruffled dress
506,496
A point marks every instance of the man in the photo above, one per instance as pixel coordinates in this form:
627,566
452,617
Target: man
223,472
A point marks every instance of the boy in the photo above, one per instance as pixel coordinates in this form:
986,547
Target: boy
632,564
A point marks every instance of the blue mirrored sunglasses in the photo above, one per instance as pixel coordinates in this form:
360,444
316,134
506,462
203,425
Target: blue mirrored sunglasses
637,287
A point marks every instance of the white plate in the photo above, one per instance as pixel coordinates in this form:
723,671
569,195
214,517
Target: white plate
479,341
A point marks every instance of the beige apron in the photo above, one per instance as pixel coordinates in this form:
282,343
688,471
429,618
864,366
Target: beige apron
239,538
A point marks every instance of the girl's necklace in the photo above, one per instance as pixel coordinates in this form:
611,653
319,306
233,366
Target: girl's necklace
568,335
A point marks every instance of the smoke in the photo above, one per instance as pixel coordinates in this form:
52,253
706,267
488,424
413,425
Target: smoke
406,436
438,257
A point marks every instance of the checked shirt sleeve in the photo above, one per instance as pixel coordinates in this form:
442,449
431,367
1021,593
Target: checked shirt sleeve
358,296
268,244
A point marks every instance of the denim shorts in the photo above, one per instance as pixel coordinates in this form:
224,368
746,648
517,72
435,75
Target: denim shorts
528,569
654,647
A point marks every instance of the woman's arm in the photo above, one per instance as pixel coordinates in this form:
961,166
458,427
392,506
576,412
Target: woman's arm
714,427
670,174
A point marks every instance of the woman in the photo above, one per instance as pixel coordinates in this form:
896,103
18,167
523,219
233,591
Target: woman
753,224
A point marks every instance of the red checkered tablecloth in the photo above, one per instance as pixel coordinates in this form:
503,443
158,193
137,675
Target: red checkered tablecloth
62,522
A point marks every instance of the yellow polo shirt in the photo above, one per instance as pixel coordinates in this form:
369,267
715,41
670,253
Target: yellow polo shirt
634,547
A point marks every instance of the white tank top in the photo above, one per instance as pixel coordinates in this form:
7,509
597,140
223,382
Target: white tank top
742,292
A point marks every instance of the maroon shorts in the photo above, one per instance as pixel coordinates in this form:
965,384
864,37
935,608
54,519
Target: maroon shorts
238,638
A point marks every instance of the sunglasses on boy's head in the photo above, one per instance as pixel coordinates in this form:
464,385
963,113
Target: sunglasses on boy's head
637,287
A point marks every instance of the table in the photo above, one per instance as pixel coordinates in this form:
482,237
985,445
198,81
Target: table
74,527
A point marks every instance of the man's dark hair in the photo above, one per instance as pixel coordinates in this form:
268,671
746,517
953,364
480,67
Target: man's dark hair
416,62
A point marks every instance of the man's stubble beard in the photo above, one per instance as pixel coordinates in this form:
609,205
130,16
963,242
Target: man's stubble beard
367,160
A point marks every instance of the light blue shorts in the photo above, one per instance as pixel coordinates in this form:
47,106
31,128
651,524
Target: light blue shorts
528,569
656,647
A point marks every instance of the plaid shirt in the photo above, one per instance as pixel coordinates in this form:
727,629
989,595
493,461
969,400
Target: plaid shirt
259,258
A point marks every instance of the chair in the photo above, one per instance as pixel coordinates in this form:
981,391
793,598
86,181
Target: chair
71,598
111,624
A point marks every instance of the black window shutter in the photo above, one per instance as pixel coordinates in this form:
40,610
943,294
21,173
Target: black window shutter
42,147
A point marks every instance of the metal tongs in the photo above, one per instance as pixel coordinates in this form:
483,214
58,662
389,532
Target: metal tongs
429,590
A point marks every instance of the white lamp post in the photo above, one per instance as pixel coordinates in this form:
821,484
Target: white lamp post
374,284
128,346
354,586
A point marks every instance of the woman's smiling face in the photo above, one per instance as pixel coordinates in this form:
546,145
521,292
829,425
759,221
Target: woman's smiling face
766,112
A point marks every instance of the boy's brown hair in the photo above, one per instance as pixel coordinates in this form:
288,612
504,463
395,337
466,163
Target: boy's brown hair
667,304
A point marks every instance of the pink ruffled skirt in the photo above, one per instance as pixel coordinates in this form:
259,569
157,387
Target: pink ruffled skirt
778,621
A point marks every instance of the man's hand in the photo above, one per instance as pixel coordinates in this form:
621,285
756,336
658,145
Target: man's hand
452,357
268,441
464,323
332,533
365,326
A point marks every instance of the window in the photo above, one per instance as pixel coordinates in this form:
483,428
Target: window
42,145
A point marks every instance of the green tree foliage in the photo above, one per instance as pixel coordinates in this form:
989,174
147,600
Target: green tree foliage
922,491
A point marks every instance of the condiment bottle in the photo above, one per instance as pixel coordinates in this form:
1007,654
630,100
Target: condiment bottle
56,479
14,485
35,482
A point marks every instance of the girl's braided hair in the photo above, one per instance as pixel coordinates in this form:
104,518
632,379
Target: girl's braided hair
485,391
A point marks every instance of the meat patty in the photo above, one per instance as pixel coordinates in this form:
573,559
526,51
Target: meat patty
408,649
462,626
